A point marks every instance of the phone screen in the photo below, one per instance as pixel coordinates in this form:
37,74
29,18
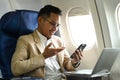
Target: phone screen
81,48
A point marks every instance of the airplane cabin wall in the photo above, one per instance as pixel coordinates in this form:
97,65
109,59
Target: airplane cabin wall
113,27
107,14
108,22
26,4
111,20
4,7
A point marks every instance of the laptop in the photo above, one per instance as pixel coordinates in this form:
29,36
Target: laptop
102,67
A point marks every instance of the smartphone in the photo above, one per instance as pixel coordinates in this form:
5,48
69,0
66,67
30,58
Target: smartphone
81,48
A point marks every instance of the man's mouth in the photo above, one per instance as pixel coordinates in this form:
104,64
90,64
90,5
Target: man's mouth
52,32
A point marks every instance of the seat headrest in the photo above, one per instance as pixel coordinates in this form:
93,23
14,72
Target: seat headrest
19,22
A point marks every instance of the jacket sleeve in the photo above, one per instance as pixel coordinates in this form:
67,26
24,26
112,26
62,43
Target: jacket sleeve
22,61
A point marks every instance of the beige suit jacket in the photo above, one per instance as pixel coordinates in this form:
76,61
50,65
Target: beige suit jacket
28,60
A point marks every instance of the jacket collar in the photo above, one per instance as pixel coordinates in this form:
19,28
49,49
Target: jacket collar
37,41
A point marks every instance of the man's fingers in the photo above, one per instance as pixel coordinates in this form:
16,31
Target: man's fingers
79,53
61,48
57,50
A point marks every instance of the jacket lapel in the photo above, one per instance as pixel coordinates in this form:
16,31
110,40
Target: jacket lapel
38,42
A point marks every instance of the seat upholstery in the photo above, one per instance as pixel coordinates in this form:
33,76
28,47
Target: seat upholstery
12,25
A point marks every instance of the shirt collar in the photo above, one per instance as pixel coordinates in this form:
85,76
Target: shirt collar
42,37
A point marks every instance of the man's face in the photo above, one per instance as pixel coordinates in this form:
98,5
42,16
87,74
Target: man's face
48,26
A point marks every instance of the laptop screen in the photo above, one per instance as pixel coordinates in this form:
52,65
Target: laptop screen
106,60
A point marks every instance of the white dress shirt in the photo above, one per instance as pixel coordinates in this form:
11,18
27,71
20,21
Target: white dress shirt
52,68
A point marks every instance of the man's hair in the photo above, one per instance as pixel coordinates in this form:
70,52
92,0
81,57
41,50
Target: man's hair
48,9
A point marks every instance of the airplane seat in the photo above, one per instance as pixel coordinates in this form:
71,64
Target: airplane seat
12,25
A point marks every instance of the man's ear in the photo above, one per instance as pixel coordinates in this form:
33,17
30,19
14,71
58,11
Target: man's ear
40,19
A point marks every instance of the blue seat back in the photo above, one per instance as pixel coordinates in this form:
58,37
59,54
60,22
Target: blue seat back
12,25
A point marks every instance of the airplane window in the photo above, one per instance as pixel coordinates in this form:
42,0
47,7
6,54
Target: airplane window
82,27
118,16
82,30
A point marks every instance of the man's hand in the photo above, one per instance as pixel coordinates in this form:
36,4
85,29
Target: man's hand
77,56
49,52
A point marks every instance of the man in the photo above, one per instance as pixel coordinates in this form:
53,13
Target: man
41,54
